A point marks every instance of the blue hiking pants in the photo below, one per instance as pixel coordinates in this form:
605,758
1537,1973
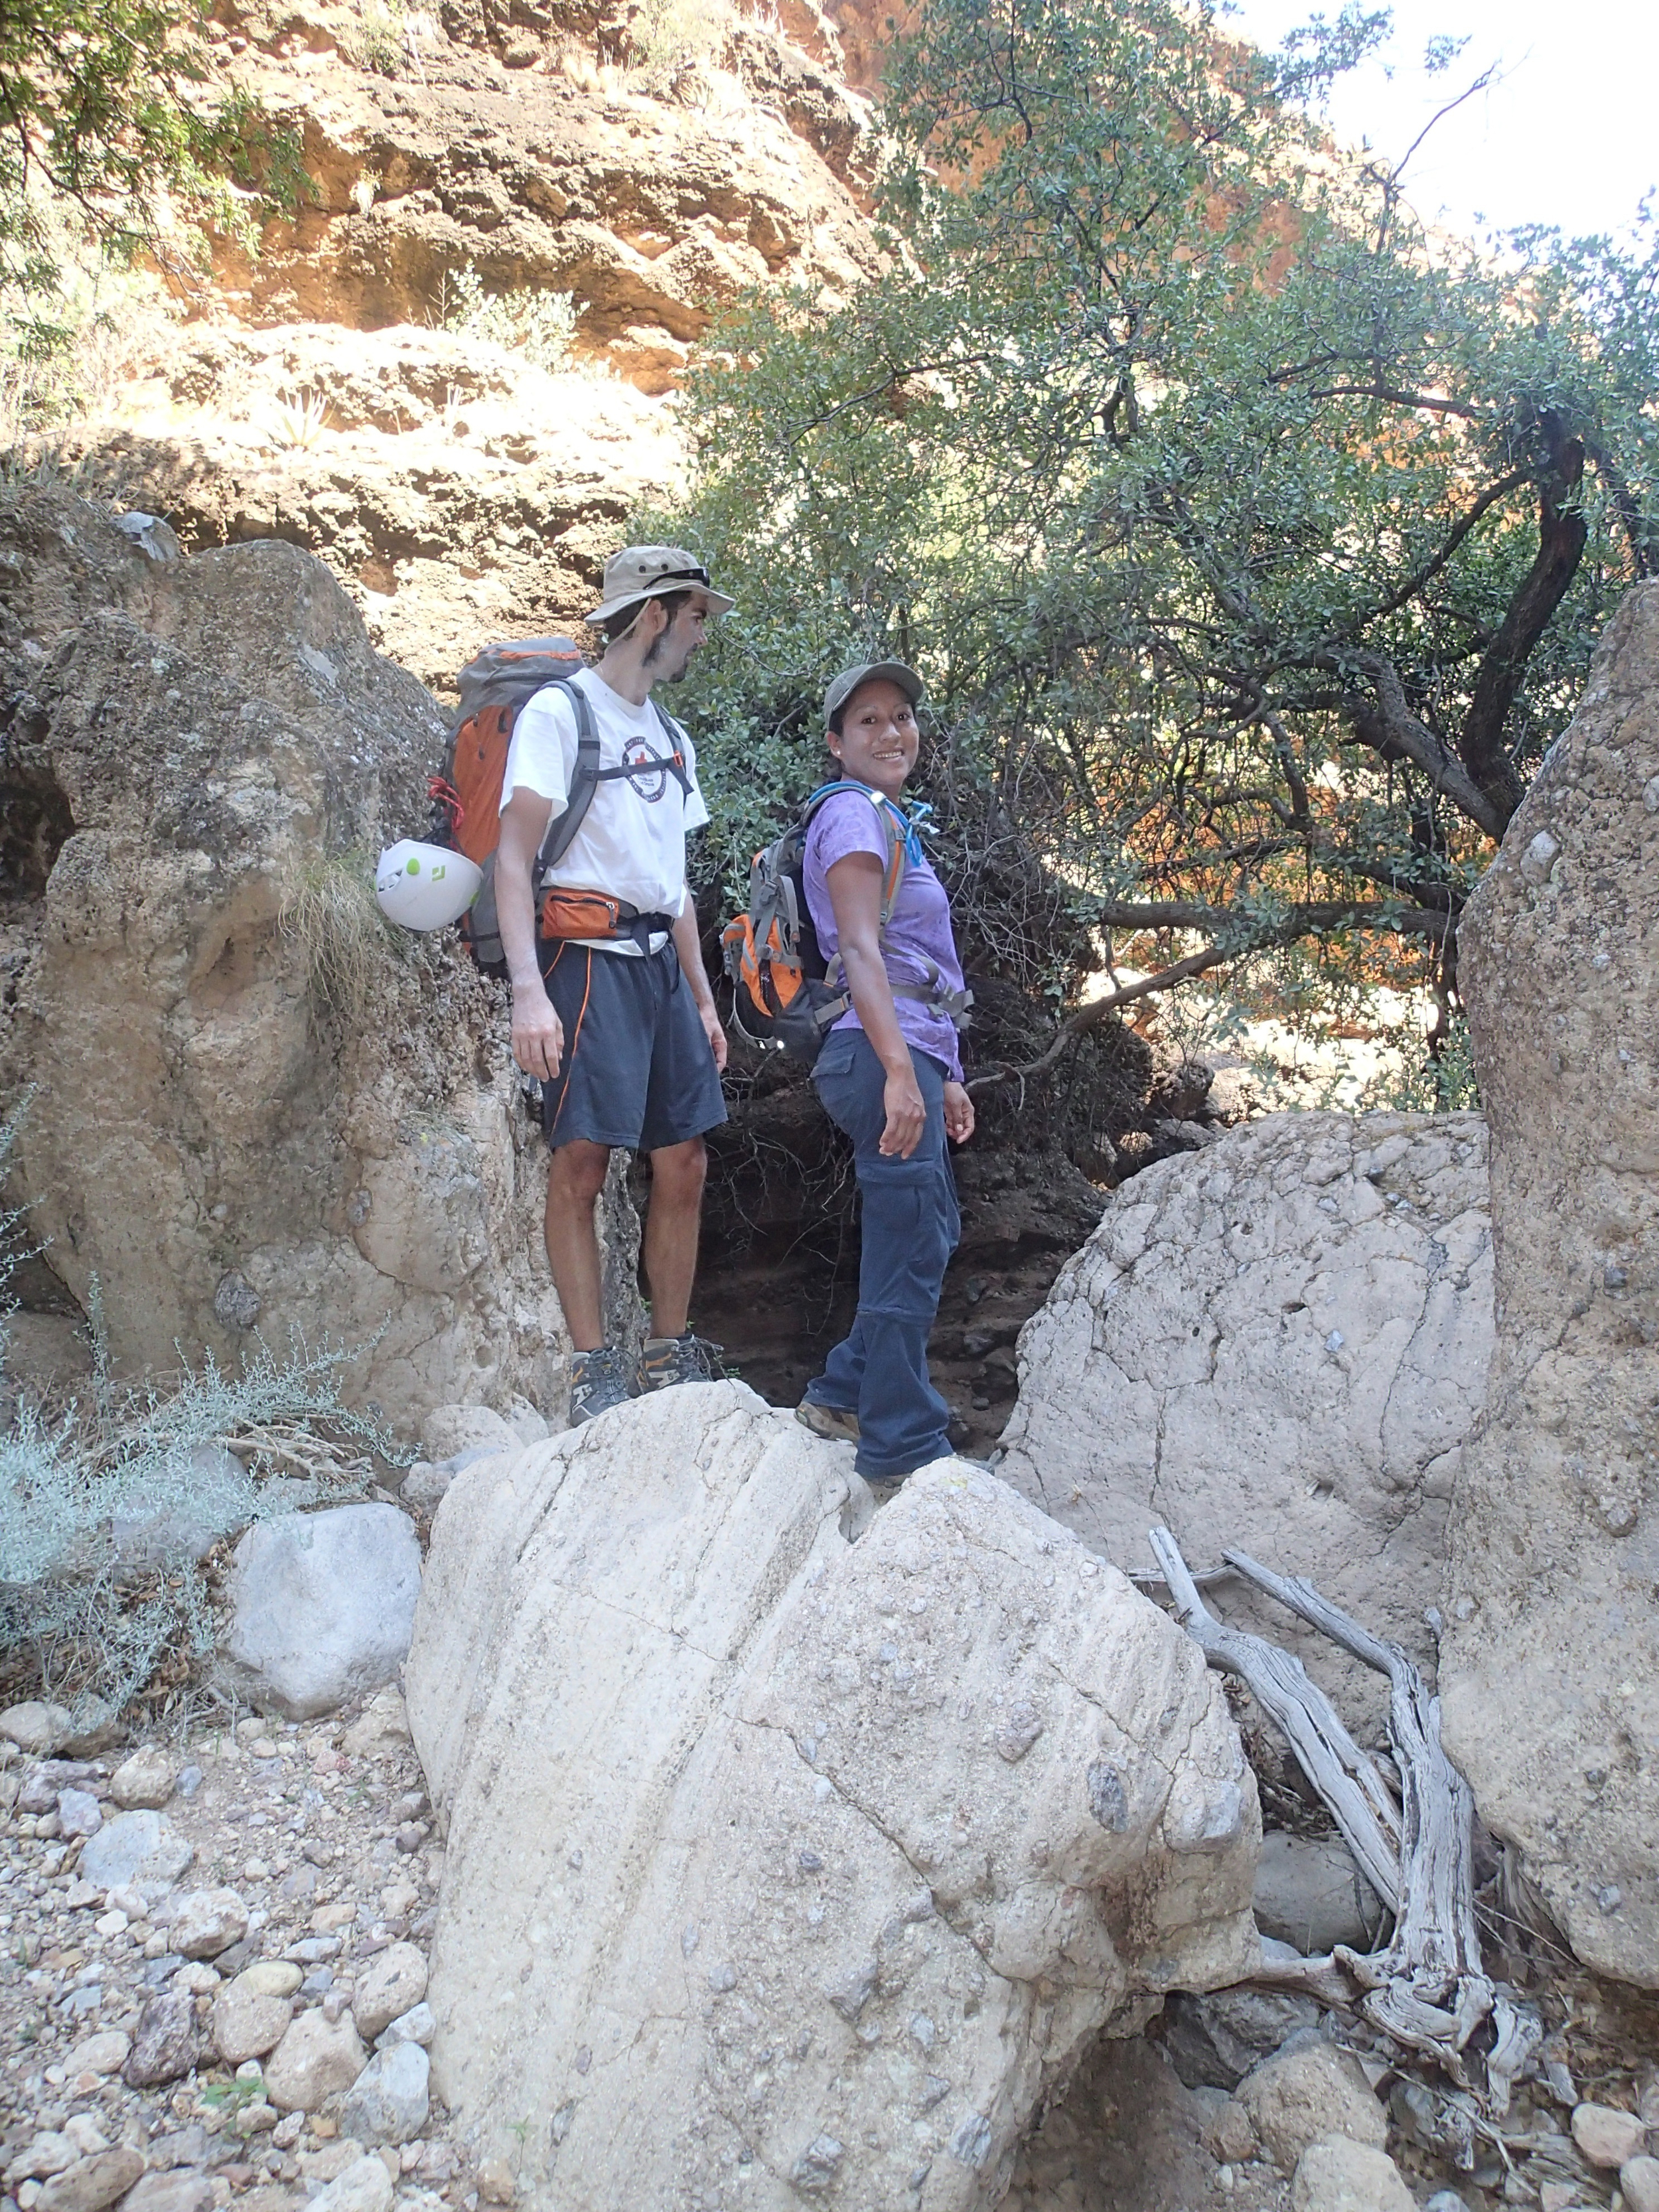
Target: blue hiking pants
910,1225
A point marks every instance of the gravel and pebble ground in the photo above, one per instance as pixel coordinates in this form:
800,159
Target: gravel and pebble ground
215,1994
206,1942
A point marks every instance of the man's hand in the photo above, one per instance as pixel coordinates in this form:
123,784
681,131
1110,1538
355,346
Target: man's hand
538,1032
689,953
958,1114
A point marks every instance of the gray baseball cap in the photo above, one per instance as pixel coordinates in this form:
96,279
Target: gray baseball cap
649,572
841,689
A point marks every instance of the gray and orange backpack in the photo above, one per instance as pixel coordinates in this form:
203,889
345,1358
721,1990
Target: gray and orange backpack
785,993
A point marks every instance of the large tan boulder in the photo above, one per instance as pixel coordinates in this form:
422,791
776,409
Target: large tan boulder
773,1851
236,1122
1279,1343
1551,1677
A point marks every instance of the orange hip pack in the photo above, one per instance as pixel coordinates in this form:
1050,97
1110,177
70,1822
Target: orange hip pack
567,913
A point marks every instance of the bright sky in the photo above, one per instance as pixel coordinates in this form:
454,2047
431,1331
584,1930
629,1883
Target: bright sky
1568,132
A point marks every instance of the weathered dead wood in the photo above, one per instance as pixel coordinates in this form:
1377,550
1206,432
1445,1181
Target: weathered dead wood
1345,1777
1428,1989
1202,1578
1322,1978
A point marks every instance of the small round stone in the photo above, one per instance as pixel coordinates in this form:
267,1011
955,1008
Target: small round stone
1609,2137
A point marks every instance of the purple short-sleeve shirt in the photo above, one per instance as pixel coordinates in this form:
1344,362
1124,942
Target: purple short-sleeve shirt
918,929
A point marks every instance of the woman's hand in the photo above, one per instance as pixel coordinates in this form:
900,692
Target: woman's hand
907,1113
538,1032
958,1114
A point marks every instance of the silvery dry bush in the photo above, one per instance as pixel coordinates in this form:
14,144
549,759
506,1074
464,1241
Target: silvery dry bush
109,1508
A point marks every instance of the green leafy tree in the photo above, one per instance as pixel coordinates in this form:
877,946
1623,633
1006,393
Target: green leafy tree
107,110
1254,543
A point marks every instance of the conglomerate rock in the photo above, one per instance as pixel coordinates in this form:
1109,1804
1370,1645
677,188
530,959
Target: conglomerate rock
1550,1675
781,1869
1279,1343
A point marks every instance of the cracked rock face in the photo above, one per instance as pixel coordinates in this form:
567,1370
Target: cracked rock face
347,390
1551,1676
1278,1344
456,491
189,743
783,1870
651,201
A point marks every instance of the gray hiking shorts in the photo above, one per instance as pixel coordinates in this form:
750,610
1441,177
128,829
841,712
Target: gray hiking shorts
637,1072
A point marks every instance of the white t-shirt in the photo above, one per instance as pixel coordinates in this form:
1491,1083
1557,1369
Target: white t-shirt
632,840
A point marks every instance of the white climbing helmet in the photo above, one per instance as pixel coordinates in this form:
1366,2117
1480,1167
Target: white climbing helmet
425,887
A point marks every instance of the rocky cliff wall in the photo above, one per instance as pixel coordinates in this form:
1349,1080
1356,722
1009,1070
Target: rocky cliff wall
385,380
456,492
505,138
1551,1677
246,1103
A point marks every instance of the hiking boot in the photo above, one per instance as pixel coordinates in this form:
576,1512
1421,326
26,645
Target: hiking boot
837,1424
666,1360
599,1381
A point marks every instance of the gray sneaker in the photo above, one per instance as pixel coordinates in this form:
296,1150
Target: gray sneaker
599,1381
666,1360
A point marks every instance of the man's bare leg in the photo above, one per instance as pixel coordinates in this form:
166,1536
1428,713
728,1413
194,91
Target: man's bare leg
678,1174
575,1177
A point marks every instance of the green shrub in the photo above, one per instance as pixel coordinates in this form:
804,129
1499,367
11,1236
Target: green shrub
379,41
670,36
105,1503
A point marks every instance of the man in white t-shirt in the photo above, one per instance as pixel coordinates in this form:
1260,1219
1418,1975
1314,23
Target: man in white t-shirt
619,1026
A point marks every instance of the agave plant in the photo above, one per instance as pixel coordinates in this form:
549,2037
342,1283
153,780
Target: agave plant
299,418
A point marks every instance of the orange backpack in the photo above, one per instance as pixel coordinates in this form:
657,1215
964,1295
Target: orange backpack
496,686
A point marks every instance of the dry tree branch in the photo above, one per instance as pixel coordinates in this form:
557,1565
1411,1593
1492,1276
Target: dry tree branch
1428,1989
1090,1017
1344,1776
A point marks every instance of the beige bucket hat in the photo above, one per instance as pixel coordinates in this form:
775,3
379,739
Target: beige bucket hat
648,572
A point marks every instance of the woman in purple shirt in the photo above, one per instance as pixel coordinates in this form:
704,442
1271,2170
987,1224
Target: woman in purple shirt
890,1072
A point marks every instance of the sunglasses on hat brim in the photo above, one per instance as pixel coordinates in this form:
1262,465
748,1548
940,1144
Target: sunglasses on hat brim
682,576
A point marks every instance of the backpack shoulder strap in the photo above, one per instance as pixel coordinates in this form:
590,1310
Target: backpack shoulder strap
677,739
893,829
562,830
